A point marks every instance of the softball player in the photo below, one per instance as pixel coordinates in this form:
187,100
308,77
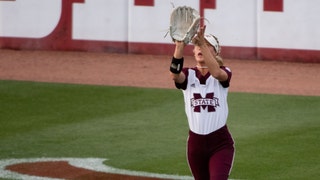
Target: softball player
210,147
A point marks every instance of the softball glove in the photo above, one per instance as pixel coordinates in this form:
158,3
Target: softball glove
184,24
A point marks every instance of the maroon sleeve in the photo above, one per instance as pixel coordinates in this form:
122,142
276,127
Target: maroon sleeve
184,84
226,83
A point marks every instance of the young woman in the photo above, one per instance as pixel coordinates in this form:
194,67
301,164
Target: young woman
210,147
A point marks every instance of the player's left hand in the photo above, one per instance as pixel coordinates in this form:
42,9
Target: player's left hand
199,38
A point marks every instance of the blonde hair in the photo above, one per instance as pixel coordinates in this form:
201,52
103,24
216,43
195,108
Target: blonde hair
219,60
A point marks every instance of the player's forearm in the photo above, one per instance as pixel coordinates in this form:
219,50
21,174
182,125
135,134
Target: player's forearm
210,60
212,63
177,63
178,78
178,51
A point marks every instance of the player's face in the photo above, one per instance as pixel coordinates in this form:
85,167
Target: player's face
198,54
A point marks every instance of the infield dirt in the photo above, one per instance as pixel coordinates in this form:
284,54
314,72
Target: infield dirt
152,71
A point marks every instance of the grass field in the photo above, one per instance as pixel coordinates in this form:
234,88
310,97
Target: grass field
277,136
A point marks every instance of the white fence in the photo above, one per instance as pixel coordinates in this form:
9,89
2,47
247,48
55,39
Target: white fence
255,29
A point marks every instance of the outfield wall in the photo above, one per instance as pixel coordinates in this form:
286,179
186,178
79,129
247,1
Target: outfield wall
283,30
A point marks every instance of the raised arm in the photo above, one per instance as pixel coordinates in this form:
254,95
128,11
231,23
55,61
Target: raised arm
210,57
177,63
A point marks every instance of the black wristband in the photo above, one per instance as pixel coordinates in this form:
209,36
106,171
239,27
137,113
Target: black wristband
176,65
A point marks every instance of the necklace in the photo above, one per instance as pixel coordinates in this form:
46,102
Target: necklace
202,67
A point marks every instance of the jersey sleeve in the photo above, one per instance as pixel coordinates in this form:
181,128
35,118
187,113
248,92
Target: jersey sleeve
183,85
226,83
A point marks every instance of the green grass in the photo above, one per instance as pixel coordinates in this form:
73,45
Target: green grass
277,136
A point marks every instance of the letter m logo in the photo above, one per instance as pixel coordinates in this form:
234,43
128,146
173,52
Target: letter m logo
209,102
